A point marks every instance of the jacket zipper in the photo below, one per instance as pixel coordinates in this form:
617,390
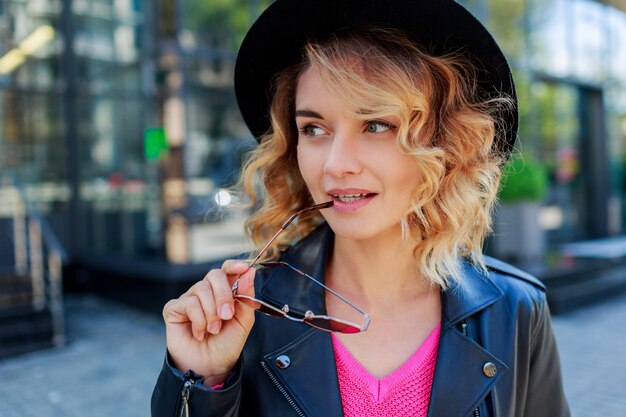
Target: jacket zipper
282,390
466,334
186,393
464,328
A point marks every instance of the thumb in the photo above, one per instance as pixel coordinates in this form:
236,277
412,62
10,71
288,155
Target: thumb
244,313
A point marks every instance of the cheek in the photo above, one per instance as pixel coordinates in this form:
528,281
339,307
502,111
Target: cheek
408,176
306,164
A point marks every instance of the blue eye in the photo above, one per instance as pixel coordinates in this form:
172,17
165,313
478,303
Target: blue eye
378,126
312,130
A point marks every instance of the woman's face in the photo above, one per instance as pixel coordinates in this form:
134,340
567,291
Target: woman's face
355,162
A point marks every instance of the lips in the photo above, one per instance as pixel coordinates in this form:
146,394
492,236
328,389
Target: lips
350,199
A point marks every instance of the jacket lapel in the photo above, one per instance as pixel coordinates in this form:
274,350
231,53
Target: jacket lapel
310,379
460,382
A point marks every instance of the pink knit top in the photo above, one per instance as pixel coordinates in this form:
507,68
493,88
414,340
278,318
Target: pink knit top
404,392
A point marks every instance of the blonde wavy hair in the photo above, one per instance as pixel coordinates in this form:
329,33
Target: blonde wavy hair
446,123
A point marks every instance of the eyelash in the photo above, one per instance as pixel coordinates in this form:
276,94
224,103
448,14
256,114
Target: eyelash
304,129
383,123
389,126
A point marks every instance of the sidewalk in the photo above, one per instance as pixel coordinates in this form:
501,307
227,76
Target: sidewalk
108,367
592,342
114,355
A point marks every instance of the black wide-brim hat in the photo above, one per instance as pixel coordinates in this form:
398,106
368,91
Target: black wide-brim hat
276,40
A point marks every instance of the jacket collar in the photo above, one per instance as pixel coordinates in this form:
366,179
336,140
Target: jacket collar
475,292
310,254
459,384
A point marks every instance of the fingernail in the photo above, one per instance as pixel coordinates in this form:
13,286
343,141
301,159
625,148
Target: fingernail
226,312
215,327
200,336
241,264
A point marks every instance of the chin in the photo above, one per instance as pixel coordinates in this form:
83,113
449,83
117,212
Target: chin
364,229
352,230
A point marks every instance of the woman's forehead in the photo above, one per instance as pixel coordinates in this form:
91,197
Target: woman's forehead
360,94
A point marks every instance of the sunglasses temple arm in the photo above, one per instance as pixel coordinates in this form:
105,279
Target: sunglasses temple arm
254,261
365,315
336,294
282,228
267,245
287,223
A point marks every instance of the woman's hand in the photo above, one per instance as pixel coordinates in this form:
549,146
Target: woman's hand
206,329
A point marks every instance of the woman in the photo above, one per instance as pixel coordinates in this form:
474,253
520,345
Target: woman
384,125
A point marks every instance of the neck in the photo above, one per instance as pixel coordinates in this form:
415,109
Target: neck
375,270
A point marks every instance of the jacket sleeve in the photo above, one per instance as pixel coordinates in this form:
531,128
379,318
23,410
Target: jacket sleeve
167,397
545,396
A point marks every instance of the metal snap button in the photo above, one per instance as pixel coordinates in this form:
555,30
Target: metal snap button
283,361
490,369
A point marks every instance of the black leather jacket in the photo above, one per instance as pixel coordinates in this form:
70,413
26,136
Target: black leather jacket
497,353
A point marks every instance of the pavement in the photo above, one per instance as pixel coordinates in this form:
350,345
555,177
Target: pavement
114,353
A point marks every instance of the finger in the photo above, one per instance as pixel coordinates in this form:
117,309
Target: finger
245,314
186,309
233,268
246,283
204,291
222,294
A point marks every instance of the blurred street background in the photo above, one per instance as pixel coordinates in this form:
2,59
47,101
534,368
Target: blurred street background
120,137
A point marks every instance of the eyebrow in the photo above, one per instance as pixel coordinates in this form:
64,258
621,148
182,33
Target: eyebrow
308,113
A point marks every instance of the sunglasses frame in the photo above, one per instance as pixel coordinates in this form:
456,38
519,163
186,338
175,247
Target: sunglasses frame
285,312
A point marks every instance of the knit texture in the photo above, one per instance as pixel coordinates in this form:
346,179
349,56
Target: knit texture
404,392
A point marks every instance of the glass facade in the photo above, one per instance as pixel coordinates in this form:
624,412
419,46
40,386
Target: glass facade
569,62
120,117
111,109
30,90
74,105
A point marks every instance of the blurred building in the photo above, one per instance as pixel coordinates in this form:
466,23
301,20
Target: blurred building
119,119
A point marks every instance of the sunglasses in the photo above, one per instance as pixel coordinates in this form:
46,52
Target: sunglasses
319,321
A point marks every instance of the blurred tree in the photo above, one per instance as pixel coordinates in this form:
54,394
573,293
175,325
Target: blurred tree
506,20
223,23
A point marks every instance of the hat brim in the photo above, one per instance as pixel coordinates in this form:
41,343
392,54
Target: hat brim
440,27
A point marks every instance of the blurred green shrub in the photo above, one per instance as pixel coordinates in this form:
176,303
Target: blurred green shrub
523,179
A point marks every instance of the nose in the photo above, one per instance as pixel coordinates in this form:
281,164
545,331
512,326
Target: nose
343,156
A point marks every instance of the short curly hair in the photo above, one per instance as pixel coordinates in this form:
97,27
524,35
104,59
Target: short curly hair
447,124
